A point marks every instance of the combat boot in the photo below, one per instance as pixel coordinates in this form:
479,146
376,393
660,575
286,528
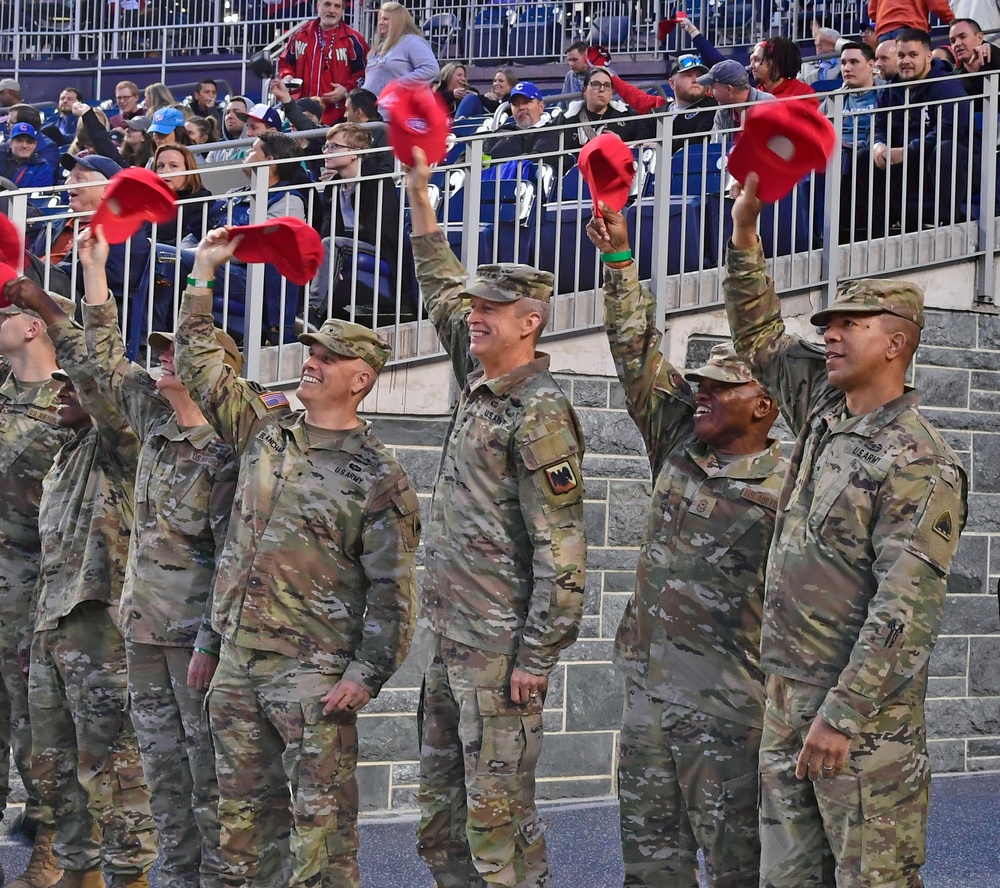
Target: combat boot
128,880
91,878
42,871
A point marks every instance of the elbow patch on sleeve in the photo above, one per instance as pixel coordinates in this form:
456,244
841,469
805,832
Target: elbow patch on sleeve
937,527
554,462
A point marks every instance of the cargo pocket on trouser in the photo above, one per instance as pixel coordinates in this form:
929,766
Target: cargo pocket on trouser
735,861
876,824
326,798
501,810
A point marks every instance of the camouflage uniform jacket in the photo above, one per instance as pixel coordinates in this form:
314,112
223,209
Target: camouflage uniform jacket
30,437
86,508
320,562
506,550
184,490
691,633
868,523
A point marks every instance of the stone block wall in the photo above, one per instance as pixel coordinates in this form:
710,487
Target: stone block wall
958,373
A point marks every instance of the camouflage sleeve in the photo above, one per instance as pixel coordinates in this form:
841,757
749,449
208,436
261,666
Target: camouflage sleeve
442,279
129,387
229,403
71,351
659,400
551,498
391,534
920,513
790,368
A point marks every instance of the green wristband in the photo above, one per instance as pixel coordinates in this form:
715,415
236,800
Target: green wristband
203,651
205,285
623,256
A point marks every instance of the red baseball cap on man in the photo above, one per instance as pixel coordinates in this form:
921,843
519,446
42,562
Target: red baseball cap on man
781,142
418,118
608,167
294,247
133,197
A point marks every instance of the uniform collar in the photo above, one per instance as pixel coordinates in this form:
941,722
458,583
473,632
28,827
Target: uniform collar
503,384
199,437
350,441
753,466
870,424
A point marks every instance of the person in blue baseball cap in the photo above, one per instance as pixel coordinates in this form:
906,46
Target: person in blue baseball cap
167,128
527,117
22,163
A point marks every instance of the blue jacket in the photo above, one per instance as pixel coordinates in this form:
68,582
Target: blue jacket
893,123
35,172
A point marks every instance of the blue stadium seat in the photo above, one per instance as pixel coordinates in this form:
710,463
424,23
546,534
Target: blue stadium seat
564,248
536,35
489,35
784,227
683,225
611,31
697,169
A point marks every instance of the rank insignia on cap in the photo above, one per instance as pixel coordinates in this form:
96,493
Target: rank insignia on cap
273,400
561,478
944,526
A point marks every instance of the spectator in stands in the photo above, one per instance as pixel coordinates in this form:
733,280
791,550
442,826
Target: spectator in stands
945,54
328,56
868,35
22,164
362,107
913,154
985,12
232,129
169,163
167,128
730,85
138,147
202,101
202,131
886,61
260,119
399,54
709,54
576,58
475,105
359,205
157,96
29,114
775,65
891,17
594,114
92,126
127,99
528,118
65,119
297,113
824,73
453,86
974,56
689,96
857,70
10,95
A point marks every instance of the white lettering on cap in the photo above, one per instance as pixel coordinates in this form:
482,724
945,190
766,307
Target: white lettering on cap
782,146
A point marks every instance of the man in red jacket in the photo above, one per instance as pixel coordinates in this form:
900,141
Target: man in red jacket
328,56
892,16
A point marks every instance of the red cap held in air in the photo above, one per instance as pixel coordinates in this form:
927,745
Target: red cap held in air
132,198
418,118
294,247
608,167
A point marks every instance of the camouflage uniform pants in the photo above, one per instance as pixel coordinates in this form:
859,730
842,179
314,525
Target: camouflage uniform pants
686,780
179,762
85,750
273,745
15,726
478,753
866,826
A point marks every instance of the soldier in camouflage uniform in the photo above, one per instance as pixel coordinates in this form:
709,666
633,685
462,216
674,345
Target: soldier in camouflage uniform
316,593
30,437
689,641
868,524
184,490
504,571
85,754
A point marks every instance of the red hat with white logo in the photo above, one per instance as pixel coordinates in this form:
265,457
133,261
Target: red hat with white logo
782,142
418,118
294,247
132,198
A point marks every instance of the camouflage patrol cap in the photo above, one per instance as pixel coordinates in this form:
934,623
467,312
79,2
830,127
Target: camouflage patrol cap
351,341
889,296
724,365
161,342
509,281
15,310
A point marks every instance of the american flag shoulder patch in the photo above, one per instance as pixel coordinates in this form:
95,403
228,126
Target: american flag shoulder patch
273,400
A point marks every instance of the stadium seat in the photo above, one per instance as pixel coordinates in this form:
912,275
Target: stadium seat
683,238
441,32
612,31
489,35
536,34
564,248
784,227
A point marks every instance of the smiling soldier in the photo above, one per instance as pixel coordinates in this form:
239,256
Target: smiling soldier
689,642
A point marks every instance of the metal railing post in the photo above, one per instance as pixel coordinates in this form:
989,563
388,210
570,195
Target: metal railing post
470,210
253,319
661,218
986,276
831,222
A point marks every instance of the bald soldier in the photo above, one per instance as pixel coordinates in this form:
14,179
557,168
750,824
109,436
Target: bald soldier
504,571
689,641
868,526
315,596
